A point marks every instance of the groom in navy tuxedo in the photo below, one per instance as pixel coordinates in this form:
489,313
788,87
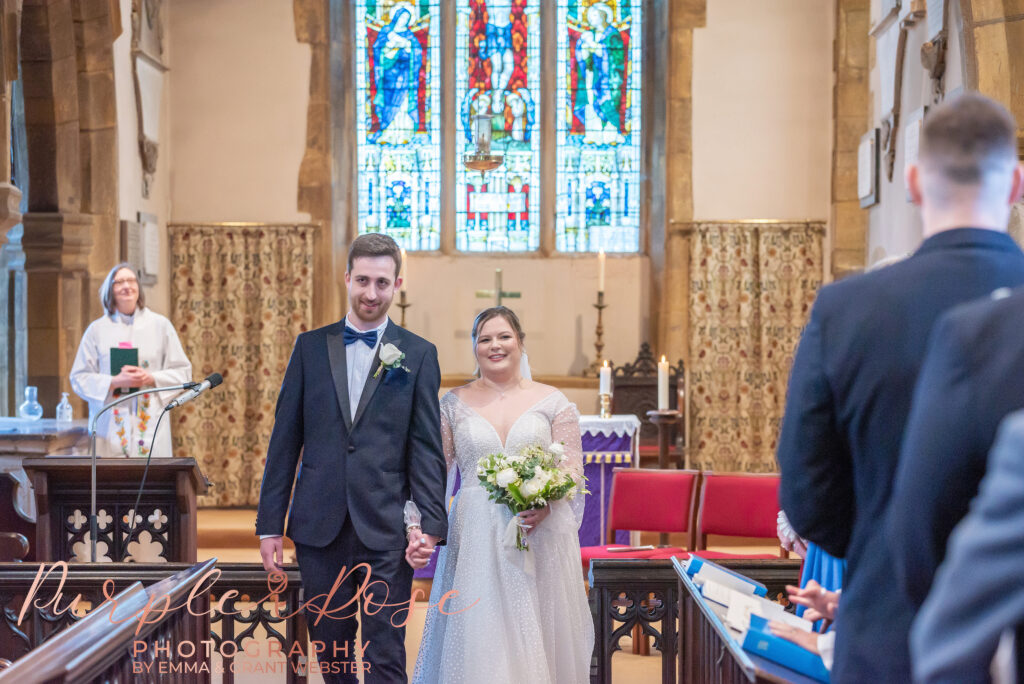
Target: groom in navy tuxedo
359,406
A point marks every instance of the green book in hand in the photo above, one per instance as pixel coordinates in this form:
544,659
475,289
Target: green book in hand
119,358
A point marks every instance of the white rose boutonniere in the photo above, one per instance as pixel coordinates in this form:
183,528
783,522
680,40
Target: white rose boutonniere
391,358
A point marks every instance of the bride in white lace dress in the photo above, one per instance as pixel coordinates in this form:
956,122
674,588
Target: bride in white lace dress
519,616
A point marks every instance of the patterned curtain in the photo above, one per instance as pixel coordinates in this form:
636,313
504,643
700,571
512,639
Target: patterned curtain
239,296
751,293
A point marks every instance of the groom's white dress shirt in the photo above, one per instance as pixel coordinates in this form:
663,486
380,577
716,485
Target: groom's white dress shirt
358,357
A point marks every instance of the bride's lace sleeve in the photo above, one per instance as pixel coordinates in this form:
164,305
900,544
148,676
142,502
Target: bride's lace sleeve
565,428
447,440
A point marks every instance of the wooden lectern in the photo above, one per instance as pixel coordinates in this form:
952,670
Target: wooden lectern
165,525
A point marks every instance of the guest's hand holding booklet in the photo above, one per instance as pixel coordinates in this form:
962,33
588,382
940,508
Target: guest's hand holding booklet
743,609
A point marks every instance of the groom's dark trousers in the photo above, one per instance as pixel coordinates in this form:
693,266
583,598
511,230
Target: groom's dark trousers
358,468
388,578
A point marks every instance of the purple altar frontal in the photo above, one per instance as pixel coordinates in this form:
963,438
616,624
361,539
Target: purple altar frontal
608,443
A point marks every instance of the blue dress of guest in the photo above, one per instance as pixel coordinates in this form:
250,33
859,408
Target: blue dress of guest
824,569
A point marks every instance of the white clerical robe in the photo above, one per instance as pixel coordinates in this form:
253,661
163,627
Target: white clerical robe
130,430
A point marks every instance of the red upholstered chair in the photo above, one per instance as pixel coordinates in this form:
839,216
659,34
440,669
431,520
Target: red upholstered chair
648,500
737,505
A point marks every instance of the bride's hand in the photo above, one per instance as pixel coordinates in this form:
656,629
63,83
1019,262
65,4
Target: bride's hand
534,516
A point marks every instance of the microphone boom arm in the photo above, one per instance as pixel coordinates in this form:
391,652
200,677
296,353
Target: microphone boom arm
93,525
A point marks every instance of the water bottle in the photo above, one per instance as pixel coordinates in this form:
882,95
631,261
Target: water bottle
65,414
31,409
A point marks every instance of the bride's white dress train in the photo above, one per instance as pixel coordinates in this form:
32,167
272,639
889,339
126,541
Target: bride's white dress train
512,620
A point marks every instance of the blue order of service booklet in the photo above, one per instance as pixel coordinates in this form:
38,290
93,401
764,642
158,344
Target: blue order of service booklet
705,568
761,641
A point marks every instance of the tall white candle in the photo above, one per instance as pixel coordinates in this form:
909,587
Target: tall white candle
663,384
606,379
404,273
600,271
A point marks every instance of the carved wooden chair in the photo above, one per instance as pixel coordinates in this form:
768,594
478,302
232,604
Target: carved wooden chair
635,391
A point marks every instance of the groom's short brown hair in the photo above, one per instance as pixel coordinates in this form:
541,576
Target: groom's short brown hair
375,245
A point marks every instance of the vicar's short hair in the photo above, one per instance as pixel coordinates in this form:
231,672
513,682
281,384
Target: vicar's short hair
965,139
107,289
494,312
375,245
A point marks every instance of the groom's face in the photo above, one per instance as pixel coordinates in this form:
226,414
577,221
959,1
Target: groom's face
371,287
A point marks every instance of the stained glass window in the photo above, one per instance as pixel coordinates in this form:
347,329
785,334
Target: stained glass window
598,125
497,72
398,86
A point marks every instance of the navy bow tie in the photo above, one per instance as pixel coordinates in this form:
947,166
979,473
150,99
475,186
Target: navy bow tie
369,337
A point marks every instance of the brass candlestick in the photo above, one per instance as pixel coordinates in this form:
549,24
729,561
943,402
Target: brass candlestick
606,406
403,305
594,367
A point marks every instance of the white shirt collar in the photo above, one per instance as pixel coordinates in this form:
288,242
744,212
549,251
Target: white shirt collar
380,328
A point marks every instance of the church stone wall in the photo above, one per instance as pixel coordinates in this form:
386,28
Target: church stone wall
895,223
762,113
239,95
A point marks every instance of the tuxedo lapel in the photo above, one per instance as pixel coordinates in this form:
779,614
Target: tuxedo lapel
339,370
372,383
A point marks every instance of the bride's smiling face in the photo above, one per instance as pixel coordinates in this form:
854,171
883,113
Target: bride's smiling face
498,349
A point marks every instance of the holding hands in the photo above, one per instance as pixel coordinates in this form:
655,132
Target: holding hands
421,547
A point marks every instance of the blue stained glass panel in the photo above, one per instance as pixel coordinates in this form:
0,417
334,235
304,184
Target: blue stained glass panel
497,71
598,125
398,120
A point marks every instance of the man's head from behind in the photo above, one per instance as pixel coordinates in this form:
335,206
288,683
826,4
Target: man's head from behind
374,262
967,173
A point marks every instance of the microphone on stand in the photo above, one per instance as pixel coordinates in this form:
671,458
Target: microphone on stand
93,420
194,390
210,382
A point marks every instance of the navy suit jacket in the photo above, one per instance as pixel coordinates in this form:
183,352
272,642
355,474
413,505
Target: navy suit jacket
364,466
979,589
972,378
848,400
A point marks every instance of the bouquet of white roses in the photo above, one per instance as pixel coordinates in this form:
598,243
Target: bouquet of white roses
531,479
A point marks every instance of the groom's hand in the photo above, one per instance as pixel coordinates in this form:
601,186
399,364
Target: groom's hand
421,547
272,551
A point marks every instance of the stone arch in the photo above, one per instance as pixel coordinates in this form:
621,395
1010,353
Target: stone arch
70,234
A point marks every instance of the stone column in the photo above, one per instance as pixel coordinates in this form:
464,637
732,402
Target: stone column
57,237
847,236
313,21
96,25
57,247
10,196
674,309
10,216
